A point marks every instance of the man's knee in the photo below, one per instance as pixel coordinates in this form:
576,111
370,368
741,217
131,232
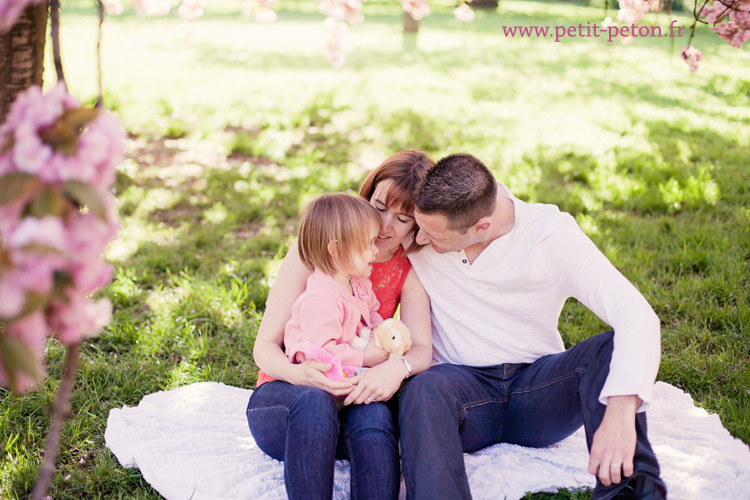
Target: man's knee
425,389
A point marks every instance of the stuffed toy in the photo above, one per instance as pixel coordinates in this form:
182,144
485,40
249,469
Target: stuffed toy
392,335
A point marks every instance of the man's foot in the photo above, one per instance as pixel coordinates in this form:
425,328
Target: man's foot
641,488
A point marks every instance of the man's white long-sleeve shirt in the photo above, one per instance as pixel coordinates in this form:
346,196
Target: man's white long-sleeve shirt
504,307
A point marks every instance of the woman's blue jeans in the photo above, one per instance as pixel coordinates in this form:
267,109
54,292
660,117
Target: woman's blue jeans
301,426
450,409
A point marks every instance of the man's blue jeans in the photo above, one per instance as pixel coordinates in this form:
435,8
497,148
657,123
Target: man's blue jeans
300,426
450,409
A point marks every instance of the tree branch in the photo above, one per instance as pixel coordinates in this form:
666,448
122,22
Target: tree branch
60,411
54,15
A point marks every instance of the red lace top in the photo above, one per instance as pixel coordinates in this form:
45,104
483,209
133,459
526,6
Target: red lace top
387,281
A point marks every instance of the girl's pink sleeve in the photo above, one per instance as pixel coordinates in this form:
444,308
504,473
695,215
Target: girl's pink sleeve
320,321
374,305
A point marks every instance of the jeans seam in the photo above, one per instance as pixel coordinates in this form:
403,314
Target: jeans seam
250,410
477,404
353,478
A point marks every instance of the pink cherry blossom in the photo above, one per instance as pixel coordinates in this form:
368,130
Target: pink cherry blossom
10,11
152,7
12,297
190,9
692,57
31,330
114,7
46,257
417,9
631,11
79,318
463,13
47,231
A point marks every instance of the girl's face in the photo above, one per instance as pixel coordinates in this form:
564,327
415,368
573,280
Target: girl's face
396,225
361,264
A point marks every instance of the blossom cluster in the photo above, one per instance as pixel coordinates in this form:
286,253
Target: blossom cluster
417,9
10,11
339,15
730,20
692,57
57,164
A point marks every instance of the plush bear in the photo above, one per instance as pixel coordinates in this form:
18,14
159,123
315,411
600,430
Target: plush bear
393,336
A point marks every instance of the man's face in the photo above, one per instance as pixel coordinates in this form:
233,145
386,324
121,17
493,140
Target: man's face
433,230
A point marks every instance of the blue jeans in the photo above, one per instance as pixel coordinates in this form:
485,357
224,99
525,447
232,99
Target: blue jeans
451,409
300,426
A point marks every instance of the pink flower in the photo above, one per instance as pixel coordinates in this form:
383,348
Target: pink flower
463,13
190,9
10,11
31,330
114,7
47,231
265,16
152,7
343,10
79,319
631,11
692,57
417,9
12,297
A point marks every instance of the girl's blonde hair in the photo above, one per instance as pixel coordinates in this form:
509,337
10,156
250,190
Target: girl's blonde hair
337,217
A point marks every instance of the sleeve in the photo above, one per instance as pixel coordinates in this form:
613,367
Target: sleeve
582,271
374,305
321,321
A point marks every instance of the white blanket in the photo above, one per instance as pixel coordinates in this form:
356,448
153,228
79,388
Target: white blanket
193,443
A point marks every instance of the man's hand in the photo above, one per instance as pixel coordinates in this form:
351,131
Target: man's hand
613,447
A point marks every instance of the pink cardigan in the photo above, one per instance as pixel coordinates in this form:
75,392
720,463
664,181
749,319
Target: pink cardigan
329,317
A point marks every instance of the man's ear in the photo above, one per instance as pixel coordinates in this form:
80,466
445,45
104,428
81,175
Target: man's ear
482,225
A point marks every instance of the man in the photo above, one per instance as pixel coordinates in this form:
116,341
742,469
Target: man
498,272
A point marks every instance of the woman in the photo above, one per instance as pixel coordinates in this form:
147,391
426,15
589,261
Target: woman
292,415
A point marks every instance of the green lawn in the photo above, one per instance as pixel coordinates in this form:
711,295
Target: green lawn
236,128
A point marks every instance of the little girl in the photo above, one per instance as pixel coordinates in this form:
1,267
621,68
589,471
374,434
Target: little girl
337,242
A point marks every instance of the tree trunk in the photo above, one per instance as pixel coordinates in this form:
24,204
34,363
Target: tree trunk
22,55
484,4
410,25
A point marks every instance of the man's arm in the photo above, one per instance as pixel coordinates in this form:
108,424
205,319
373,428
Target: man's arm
581,270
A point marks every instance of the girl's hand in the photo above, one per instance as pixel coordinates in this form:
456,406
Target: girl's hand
312,374
379,383
374,355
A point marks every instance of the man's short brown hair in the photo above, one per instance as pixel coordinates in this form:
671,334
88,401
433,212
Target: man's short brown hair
337,217
460,188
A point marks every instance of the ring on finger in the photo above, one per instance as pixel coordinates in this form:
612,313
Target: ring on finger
370,400
615,465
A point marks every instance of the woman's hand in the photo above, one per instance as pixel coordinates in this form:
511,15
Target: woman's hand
312,374
379,382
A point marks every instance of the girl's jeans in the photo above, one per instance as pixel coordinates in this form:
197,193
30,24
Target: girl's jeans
450,409
300,426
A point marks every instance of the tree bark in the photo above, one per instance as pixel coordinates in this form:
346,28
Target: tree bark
22,55
484,4
410,25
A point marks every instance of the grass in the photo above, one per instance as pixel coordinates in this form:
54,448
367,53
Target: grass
232,131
